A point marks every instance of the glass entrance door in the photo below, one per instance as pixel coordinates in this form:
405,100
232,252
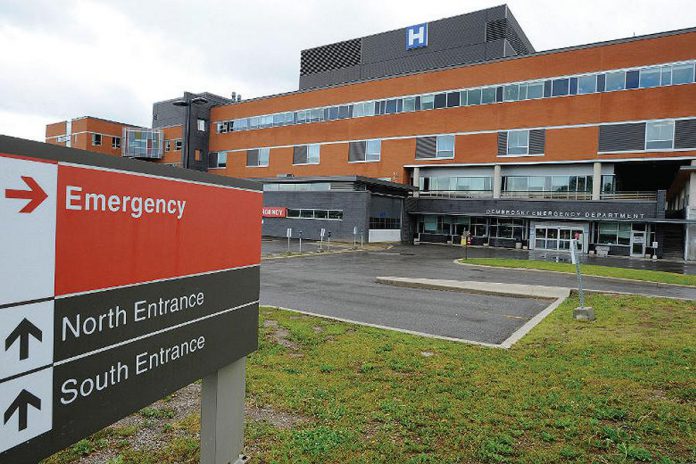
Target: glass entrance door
637,243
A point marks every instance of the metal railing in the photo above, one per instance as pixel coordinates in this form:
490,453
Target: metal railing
574,196
630,196
457,194
551,195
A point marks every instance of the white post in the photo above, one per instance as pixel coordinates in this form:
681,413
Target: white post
416,180
597,181
222,415
497,181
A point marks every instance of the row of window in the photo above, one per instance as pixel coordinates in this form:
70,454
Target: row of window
658,135
644,77
516,183
178,144
325,214
385,223
97,141
297,187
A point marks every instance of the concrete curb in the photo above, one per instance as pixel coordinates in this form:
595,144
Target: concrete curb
620,279
487,288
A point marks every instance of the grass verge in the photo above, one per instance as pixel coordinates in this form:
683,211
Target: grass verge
588,269
617,390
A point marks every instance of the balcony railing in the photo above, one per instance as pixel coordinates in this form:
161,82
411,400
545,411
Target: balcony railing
457,194
547,195
574,196
630,196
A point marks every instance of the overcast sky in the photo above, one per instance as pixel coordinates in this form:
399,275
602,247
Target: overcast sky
62,59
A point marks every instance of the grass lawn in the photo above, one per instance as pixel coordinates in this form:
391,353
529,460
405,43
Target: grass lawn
620,389
588,269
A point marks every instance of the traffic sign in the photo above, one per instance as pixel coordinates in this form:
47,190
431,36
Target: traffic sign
122,281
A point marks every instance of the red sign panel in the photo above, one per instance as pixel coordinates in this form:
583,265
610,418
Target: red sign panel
274,212
117,229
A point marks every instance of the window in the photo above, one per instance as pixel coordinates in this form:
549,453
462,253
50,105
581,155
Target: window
373,150
96,140
167,145
385,223
488,95
115,142
535,90
363,109
221,127
391,107
650,77
560,87
659,135
440,100
474,97
587,84
452,99
264,156
512,92
682,73
518,142
217,160
200,124
427,102
615,81
178,145
614,233
409,104
313,153
444,146
324,214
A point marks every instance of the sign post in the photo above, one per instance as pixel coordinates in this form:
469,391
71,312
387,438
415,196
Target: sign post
300,233
355,235
322,232
110,300
582,312
328,242
288,234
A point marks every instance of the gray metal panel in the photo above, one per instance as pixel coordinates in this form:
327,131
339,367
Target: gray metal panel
354,204
451,41
622,137
685,133
252,157
537,140
356,151
502,143
386,207
426,147
328,57
299,154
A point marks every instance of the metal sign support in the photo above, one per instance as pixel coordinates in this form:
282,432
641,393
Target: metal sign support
582,312
222,415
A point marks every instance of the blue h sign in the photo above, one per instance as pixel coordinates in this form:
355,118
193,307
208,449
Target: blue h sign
417,36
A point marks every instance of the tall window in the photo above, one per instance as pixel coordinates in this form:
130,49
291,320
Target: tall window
373,150
178,144
445,146
313,153
96,140
518,142
201,125
659,135
217,160
115,142
264,156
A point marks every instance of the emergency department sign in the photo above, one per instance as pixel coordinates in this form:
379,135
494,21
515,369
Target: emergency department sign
417,36
120,282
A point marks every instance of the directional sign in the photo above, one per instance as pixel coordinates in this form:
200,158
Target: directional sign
120,282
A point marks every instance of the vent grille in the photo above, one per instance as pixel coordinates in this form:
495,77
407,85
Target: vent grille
501,29
425,147
537,140
622,137
502,143
330,57
685,134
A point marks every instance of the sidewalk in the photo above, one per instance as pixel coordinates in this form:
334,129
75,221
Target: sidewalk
679,267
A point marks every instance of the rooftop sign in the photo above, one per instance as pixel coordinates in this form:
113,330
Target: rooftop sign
120,284
417,36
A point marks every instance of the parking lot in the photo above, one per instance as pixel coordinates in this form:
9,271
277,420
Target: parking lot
343,286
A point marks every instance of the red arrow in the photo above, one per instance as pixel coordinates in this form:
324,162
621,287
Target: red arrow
35,193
